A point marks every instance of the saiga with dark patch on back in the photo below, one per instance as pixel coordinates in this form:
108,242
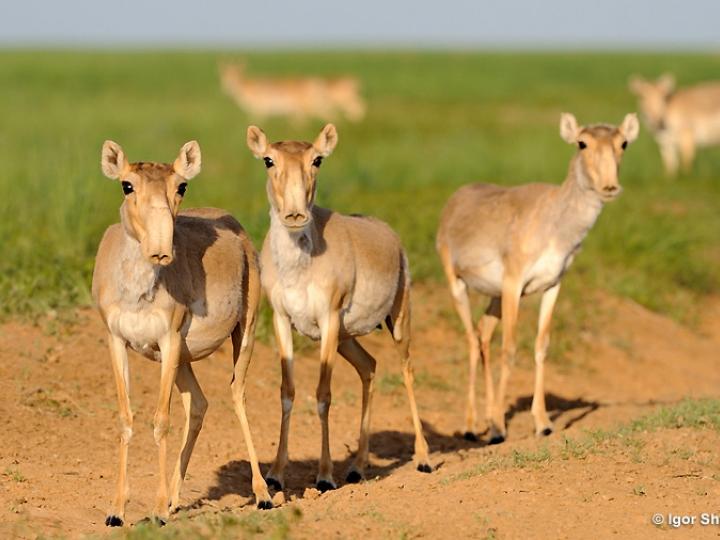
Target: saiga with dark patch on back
174,288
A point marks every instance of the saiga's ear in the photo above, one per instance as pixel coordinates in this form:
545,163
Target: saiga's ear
326,141
630,127
189,160
113,160
569,129
257,141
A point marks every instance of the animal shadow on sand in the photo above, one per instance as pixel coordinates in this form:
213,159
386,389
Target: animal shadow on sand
394,448
556,406
234,477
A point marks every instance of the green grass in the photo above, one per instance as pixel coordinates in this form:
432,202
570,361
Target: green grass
14,474
435,122
693,413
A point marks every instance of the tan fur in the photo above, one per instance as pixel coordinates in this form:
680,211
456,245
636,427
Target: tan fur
300,98
681,120
333,278
507,242
173,287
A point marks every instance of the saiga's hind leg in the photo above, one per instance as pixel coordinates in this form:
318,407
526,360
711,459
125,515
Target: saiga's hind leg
510,303
400,329
486,328
243,339
364,364
461,301
195,406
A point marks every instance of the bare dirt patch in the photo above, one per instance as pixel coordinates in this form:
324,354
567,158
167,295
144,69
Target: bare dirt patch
58,450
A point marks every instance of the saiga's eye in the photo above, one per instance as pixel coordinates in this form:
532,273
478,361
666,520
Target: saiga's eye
127,187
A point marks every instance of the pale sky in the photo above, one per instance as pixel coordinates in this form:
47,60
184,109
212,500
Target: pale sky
646,24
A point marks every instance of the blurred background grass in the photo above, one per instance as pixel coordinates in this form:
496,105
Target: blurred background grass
435,121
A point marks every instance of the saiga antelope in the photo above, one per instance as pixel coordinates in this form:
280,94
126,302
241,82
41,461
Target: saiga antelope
298,98
508,242
680,120
333,277
173,288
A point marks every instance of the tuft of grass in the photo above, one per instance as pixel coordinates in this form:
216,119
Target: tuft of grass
14,474
517,459
683,453
523,459
574,449
44,400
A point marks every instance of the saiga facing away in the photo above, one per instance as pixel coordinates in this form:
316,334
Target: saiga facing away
174,287
507,242
333,277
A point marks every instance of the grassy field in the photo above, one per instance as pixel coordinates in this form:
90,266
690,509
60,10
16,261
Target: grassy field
435,121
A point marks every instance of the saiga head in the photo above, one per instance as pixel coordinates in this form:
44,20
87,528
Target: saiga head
292,169
153,192
600,150
653,98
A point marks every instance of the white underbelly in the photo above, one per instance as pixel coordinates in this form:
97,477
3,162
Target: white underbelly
486,278
303,304
307,305
546,271
142,330
366,310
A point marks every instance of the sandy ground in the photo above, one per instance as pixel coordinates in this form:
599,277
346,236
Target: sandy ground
58,449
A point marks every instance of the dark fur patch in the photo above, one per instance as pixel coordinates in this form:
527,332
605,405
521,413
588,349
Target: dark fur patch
390,325
292,147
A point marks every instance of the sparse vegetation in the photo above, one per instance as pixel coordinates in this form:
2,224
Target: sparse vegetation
14,474
45,401
696,414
